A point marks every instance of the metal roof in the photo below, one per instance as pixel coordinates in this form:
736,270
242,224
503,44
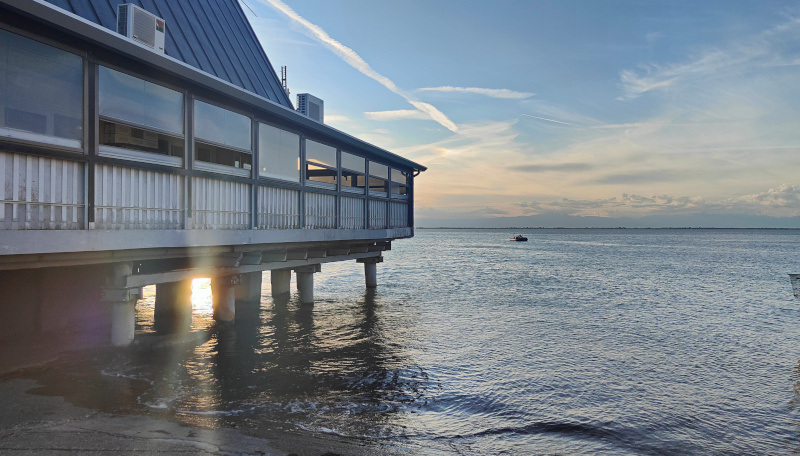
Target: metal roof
211,35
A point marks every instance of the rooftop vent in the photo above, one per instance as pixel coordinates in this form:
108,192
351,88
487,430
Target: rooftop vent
140,25
311,106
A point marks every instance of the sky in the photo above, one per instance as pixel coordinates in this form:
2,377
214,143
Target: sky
581,109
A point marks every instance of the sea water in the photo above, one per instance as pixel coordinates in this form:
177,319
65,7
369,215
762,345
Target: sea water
575,342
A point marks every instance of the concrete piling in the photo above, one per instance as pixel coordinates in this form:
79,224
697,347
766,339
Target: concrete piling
280,279
173,307
223,295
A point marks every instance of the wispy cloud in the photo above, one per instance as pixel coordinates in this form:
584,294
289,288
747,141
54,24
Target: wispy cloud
395,115
353,59
552,120
494,93
764,50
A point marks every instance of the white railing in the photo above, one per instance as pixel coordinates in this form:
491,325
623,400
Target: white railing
377,214
220,205
130,198
43,193
352,213
278,208
320,210
40,193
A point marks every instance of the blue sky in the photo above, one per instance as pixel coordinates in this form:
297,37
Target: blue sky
577,108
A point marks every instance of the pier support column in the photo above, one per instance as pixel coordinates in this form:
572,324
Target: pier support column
280,280
371,270
123,313
223,296
123,304
250,288
173,309
305,283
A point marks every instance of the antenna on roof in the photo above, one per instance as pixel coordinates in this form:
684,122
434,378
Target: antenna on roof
283,80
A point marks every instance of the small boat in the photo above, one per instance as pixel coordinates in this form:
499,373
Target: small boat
518,238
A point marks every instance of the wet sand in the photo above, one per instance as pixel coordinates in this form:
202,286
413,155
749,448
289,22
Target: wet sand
33,422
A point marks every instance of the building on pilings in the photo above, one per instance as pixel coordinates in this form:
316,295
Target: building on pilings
152,143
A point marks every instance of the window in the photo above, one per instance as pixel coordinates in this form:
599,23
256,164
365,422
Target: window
378,177
278,153
222,137
139,115
353,170
321,163
399,182
41,92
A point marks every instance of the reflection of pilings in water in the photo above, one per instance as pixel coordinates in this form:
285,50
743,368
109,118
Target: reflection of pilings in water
795,279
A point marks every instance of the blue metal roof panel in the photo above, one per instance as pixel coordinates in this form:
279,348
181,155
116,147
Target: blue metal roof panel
211,35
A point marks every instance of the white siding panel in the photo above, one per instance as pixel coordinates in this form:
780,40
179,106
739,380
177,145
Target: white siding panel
377,214
220,205
279,208
398,214
320,210
40,193
352,213
137,199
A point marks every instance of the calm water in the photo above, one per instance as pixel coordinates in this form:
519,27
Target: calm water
578,341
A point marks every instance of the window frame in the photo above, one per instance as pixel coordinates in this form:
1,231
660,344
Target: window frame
78,146
334,168
386,181
357,190
219,168
257,152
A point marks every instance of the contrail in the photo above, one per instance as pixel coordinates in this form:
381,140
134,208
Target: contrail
354,60
551,120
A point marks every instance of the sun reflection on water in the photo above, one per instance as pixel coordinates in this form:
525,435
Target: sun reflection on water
201,297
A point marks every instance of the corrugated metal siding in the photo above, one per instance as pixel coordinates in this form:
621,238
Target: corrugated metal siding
398,214
279,208
41,193
352,213
127,198
377,214
211,35
320,210
220,205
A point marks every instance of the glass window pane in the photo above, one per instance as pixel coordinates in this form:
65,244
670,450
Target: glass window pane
352,162
379,170
133,100
320,153
223,156
41,88
128,137
399,177
221,126
377,185
399,189
278,153
353,180
320,174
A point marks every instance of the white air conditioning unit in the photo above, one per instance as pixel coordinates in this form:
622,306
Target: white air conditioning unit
311,106
140,25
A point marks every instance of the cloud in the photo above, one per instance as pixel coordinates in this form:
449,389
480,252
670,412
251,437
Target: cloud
353,59
547,167
782,201
395,115
494,93
765,50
